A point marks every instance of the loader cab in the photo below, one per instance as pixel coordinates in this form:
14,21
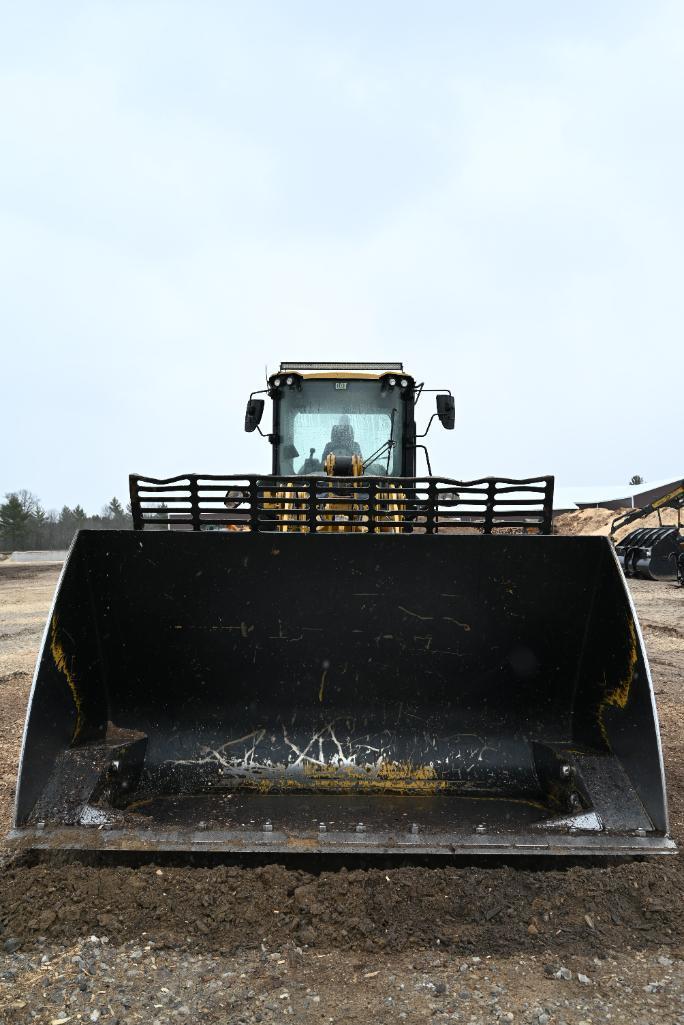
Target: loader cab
362,414
367,416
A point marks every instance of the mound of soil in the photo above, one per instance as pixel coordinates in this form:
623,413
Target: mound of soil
598,521
228,907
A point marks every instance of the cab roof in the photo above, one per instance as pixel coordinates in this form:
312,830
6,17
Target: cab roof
340,369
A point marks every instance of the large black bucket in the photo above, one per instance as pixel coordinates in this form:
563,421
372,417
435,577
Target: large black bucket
241,691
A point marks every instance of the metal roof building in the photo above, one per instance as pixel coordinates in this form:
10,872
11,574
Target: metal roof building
616,496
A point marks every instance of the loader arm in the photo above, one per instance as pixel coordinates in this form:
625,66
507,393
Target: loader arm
672,500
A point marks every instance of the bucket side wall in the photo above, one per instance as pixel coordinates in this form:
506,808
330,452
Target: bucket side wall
68,703
615,703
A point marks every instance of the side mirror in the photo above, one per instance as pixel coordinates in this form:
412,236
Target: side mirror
446,411
253,414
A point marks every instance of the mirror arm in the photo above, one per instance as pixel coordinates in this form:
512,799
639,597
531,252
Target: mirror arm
426,430
434,391
427,454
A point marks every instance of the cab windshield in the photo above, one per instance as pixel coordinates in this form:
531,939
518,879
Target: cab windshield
352,417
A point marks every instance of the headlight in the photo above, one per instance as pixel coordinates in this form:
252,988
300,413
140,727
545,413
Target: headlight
392,381
277,382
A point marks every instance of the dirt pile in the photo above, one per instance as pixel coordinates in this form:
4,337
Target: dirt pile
490,910
598,521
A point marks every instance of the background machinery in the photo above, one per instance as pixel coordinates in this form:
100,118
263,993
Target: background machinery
654,553
342,656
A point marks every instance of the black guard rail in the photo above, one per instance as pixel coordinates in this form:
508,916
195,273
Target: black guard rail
268,504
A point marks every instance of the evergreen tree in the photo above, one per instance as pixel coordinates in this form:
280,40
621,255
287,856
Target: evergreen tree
115,509
38,527
162,513
15,522
67,520
66,527
24,524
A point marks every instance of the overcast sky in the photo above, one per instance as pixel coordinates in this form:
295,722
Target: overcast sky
189,191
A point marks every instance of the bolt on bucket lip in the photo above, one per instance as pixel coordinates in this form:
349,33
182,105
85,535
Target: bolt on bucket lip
353,840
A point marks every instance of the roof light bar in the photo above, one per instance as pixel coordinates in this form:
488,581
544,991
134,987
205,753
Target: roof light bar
398,367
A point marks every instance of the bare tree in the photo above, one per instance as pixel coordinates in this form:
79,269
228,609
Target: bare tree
30,503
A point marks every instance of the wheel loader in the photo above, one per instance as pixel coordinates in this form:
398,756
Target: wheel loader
342,655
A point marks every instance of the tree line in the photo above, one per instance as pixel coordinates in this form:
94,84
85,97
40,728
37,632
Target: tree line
26,525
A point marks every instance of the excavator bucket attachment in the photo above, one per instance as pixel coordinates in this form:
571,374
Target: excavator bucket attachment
651,552
341,692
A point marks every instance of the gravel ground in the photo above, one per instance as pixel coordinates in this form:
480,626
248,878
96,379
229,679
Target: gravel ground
245,941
